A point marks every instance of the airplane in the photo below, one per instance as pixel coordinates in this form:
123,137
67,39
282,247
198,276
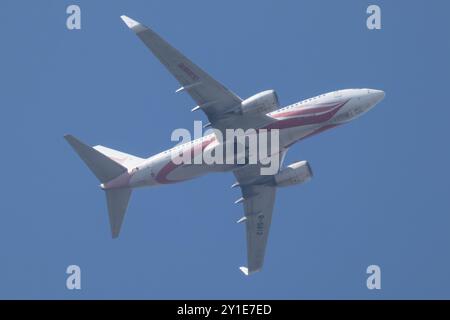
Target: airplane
120,172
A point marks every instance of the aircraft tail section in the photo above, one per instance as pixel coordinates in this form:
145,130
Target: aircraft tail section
117,201
104,168
127,160
104,163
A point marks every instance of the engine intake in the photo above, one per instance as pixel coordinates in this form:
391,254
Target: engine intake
295,173
263,102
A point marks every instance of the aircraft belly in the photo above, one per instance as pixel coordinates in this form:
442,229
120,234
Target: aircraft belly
291,135
186,172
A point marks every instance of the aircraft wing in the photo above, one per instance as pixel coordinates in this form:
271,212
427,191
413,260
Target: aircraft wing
258,200
258,217
211,96
258,203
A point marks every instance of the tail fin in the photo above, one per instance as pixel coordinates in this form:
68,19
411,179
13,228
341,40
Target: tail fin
105,169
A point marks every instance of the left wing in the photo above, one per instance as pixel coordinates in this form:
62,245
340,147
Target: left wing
258,199
258,208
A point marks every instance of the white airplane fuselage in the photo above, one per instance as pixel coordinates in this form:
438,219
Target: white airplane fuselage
250,138
295,122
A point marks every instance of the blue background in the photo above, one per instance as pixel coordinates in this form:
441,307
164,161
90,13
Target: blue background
380,194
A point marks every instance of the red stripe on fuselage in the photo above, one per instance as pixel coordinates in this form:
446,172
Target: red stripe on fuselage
305,110
306,119
161,177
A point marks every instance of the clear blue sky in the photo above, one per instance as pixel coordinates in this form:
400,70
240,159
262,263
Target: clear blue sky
380,194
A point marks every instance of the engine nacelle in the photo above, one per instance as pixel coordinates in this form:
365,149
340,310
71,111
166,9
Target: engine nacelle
295,173
263,102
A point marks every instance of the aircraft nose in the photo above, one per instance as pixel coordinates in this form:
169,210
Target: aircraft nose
376,95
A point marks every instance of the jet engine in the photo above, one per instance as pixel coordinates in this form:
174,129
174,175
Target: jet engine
263,102
295,173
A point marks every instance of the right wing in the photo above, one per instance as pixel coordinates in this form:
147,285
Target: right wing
212,97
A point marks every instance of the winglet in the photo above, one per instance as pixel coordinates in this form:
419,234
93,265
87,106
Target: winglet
244,270
129,22
137,27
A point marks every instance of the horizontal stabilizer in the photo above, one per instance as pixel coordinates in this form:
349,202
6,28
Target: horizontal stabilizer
127,160
117,200
103,167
